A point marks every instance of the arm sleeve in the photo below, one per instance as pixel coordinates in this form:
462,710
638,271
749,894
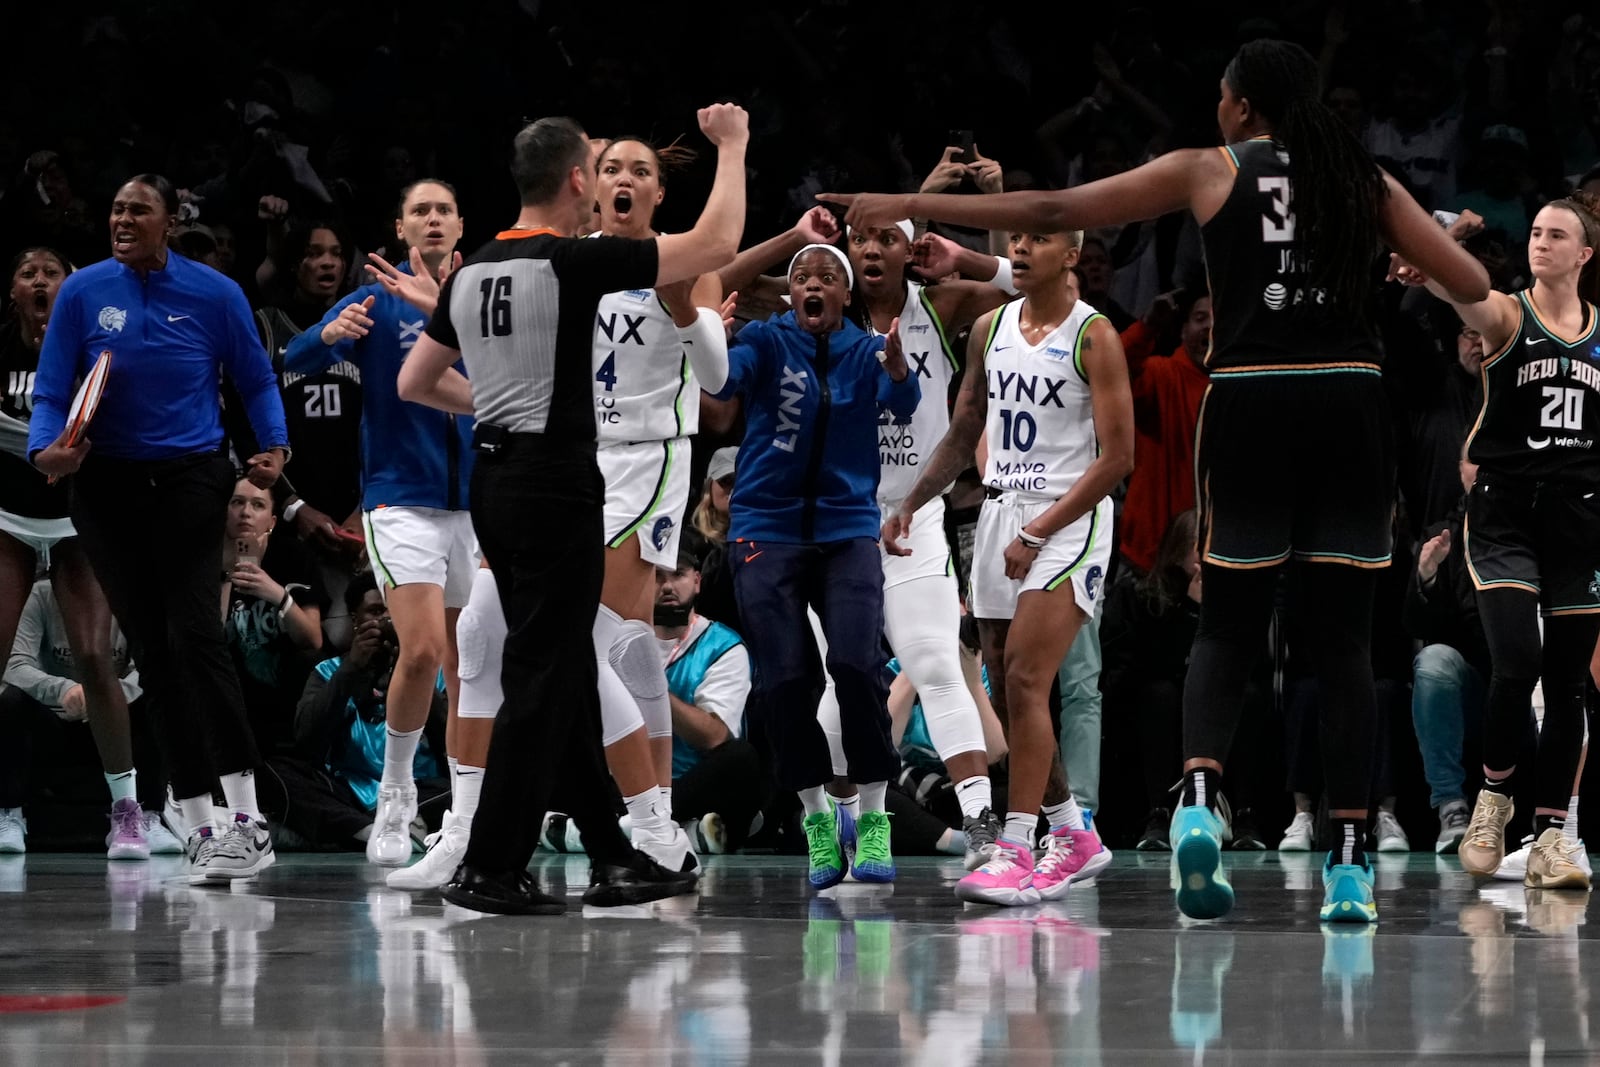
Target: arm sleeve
251,370
25,668
725,688
743,357
441,327
308,355
601,265
58,370
706,343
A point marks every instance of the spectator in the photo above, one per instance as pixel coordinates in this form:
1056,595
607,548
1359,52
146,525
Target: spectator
272,613
45,210
45,746
1451,673
714,594
1099,275
1167,391
329,781
1501,193
1420,132
1439,399
717,777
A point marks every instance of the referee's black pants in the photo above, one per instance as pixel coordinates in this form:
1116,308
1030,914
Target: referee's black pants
537,511
153,533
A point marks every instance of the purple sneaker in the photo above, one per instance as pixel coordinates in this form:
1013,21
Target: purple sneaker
127,841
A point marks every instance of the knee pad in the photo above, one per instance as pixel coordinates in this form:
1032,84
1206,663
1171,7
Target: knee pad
480,629
619,712
635,655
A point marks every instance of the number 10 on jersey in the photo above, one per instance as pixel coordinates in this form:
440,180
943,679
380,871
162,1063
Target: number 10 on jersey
1017,430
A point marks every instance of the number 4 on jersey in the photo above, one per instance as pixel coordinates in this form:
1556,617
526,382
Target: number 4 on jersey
608,373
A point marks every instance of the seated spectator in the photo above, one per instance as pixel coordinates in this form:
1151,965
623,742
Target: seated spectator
46,746
328,782
717,779
1167,391
714,593
272,608
1450,675
1500,195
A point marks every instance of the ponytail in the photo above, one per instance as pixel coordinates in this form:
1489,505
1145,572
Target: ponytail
1336,189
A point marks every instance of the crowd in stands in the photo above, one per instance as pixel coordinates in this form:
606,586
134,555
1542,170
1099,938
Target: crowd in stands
293,131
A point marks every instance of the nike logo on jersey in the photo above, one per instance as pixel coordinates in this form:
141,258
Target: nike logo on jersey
1001,348
753,555
1536,444
1537,341
176,318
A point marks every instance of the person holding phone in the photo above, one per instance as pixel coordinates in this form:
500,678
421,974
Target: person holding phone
153,452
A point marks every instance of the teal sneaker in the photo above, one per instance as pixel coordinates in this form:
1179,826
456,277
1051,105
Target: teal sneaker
1347,893
822,840
1197,874
873,863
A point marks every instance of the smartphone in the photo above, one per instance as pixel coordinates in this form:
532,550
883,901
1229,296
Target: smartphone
244,548
350,535
962,139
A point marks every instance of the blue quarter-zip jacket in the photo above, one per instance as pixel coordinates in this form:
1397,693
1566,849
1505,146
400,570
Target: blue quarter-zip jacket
170,333
808,465
411,455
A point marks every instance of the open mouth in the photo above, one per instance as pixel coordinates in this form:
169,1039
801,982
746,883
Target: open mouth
622,204
812,306
122,241
41,299
872,272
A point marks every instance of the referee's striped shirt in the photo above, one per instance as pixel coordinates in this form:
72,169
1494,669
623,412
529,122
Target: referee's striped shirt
521,311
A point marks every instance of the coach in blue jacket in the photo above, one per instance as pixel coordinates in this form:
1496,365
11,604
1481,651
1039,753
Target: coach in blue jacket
804,531
150,488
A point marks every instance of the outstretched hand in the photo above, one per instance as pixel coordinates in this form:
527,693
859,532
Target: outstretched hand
870,209
893,356
421,287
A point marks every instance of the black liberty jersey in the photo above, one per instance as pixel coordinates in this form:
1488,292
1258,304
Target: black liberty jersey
323,414
1259,280
1541,404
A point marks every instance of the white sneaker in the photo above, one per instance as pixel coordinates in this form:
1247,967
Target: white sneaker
390,843
446,849
559,833
676,854
163,842
1514,868
13,831
709,834
1298,837
1391,838
243,850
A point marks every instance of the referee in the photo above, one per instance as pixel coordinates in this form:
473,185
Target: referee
521,313
149,496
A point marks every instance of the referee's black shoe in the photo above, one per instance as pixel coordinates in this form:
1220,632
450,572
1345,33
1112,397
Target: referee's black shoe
639,880
500,894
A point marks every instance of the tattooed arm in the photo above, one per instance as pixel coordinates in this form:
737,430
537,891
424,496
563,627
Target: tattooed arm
955,450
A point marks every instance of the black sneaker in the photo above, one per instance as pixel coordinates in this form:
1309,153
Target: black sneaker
1246,834
1155,832
500,894
637,881
982,831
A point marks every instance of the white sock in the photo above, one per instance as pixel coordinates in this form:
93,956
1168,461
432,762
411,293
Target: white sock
851,805
240,789
468,784
399,751
454,764
1067,813
197,812
814,800
666,799
649,816
125,785
1020,826
872,796
974,794
1570,830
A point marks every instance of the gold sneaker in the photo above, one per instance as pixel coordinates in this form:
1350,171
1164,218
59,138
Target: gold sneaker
1553,863
1485,844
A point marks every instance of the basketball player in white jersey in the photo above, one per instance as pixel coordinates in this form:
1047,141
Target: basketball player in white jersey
922,606
1047,388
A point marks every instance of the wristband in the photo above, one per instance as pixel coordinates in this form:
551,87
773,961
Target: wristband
285,604
1002,275
1030,540
292,510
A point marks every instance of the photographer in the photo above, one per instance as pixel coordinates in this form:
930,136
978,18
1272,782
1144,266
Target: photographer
330,781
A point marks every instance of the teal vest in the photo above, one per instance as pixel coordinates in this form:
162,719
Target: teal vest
684,676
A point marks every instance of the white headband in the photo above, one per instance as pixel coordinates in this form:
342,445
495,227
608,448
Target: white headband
844,261
904,226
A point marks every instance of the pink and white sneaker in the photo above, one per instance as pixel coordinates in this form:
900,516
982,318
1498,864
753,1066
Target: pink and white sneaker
1069,856
1006,879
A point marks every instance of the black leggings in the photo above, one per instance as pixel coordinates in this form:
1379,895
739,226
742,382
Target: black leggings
1332,623
1510,621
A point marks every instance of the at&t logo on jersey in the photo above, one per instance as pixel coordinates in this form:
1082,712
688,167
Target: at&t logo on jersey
113,319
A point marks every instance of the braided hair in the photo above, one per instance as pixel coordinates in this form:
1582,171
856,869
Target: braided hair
1335,187
1586,206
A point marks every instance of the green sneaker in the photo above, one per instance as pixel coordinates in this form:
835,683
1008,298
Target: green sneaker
873,863
822,839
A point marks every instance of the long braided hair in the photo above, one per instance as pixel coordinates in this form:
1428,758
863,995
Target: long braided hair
1335,187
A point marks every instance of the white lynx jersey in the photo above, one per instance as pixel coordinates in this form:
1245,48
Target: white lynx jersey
903,449
643,387
1040,425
